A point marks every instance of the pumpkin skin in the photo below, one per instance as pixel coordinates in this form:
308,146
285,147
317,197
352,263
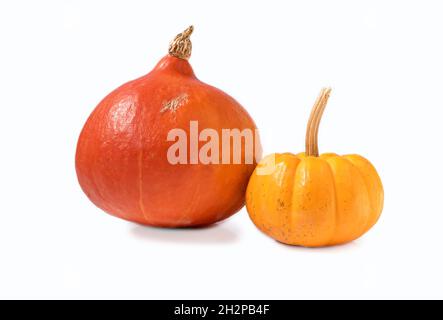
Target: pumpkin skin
314,201
121,158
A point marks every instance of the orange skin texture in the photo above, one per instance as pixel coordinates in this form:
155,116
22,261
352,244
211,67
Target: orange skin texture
121,158
315,201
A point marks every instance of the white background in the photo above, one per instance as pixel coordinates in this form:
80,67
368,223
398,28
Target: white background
383,60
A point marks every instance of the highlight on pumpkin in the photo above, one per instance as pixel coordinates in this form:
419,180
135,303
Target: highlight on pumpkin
311,199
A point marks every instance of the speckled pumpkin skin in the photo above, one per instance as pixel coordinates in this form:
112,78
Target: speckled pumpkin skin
315,201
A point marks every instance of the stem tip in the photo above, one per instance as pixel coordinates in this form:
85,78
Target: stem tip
181,46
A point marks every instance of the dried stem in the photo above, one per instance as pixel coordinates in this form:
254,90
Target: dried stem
181,46
311,142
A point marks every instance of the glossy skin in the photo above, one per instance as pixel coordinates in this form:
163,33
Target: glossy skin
121,158
315,201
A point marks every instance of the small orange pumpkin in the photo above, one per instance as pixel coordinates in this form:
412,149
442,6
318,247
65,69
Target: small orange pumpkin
314,200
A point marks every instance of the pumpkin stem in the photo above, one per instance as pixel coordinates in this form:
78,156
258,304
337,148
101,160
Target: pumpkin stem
311,142
181,46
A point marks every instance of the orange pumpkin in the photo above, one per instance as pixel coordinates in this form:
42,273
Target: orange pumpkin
122,153
314,200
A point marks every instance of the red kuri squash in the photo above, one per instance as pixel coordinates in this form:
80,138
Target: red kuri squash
122,153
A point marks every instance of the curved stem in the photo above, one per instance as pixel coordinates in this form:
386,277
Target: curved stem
311,121
311,142
181,46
